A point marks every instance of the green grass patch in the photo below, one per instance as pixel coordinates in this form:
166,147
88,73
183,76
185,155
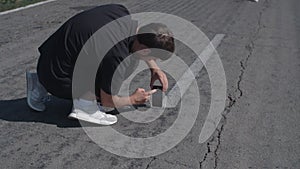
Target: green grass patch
12,4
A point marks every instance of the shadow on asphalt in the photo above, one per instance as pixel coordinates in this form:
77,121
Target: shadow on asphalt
56,112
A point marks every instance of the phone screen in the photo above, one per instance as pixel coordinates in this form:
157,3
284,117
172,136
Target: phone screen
157,97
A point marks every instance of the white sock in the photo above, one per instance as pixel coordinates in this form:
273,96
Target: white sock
87,102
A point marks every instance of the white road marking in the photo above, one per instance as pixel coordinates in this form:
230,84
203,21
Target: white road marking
176,93
26,7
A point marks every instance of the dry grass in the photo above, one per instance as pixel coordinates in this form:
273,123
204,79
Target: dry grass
11,4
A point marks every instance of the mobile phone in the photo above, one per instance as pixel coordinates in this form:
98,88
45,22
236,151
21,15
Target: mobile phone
157,97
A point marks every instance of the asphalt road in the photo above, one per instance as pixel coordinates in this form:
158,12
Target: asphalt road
260,124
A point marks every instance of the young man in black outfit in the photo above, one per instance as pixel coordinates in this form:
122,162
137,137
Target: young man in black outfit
60,52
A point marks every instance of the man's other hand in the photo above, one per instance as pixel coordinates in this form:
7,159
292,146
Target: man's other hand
157,74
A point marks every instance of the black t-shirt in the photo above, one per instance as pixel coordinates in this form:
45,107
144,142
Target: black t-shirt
60,51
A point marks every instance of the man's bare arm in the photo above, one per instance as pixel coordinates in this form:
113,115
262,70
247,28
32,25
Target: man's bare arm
157,74
152,64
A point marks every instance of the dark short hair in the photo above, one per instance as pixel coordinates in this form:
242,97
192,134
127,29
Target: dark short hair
159,36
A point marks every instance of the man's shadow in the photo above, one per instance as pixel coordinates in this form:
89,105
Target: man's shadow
56,113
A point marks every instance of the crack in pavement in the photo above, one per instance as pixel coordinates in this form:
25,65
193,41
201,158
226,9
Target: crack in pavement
148,165
233,98
206,154
250,48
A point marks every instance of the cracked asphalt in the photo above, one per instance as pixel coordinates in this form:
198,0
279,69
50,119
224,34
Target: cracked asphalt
260,124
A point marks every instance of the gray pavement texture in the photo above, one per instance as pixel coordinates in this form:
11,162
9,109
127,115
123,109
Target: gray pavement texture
260,125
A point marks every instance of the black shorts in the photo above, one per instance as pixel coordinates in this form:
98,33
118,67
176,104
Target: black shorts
55,85
59,83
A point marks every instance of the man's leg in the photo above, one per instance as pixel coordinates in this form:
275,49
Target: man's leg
84,103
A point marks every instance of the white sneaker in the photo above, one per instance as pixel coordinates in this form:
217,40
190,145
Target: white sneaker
255,0
37,95
88,111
